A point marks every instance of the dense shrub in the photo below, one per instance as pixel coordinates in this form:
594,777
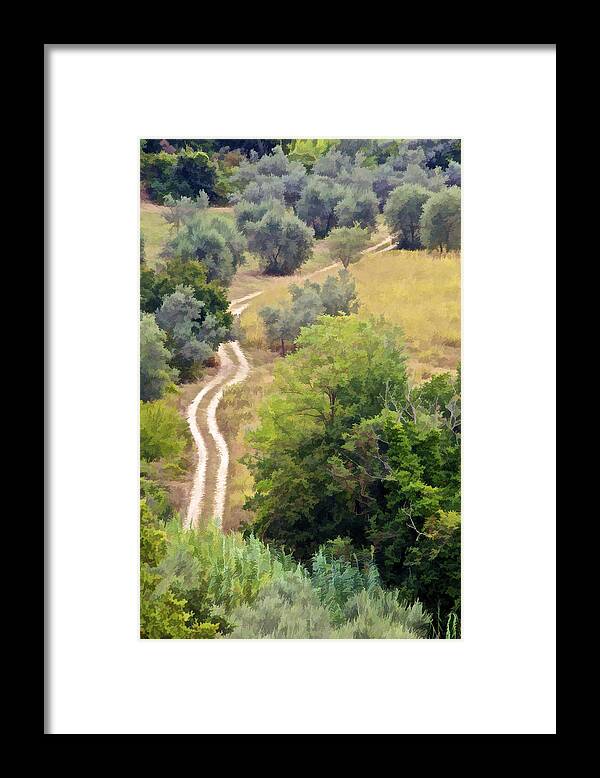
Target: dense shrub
163,432
154,287
163,614
155,372
342,371
182,209
192,334
182,174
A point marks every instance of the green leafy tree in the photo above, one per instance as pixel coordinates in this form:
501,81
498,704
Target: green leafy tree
163,432
402,213
155,371
401,471
163,615
341,372
180,174
434,564
346,244
309,150
440,221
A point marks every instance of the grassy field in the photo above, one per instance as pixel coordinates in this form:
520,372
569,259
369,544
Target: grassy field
156,230
414,289
236,414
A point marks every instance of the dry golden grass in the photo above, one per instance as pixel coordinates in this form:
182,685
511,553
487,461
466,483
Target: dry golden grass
420,292
155,231
414,289
236,414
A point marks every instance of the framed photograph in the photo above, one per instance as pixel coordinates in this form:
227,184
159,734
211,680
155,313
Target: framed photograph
265,301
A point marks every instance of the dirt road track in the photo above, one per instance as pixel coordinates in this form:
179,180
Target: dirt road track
207,499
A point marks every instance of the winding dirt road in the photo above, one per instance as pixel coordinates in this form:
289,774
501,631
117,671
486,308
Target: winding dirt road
209,489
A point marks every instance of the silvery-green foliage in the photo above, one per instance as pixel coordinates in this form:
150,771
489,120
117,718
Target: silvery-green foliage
437,180
246,212
317,204
358,206
155,373
308,302
179,312
294,183
281,240
338,295
274,164
434,180
358,177
182,209
280,324
288,607
453,173
193,335
380,614
406,156
211,239
440,220
336,581
332,164
265,188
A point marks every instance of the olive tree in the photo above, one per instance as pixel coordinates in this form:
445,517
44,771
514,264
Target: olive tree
440,221
282,241
182,209
337,296
346,244
192,334
213,240
358,206
402,214
316,205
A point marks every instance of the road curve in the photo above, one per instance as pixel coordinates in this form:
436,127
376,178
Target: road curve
220,382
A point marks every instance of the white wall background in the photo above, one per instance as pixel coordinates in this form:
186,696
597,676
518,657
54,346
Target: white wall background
500,677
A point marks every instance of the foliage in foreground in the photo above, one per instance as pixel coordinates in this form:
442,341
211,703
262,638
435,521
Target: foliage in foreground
345,447
204,584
